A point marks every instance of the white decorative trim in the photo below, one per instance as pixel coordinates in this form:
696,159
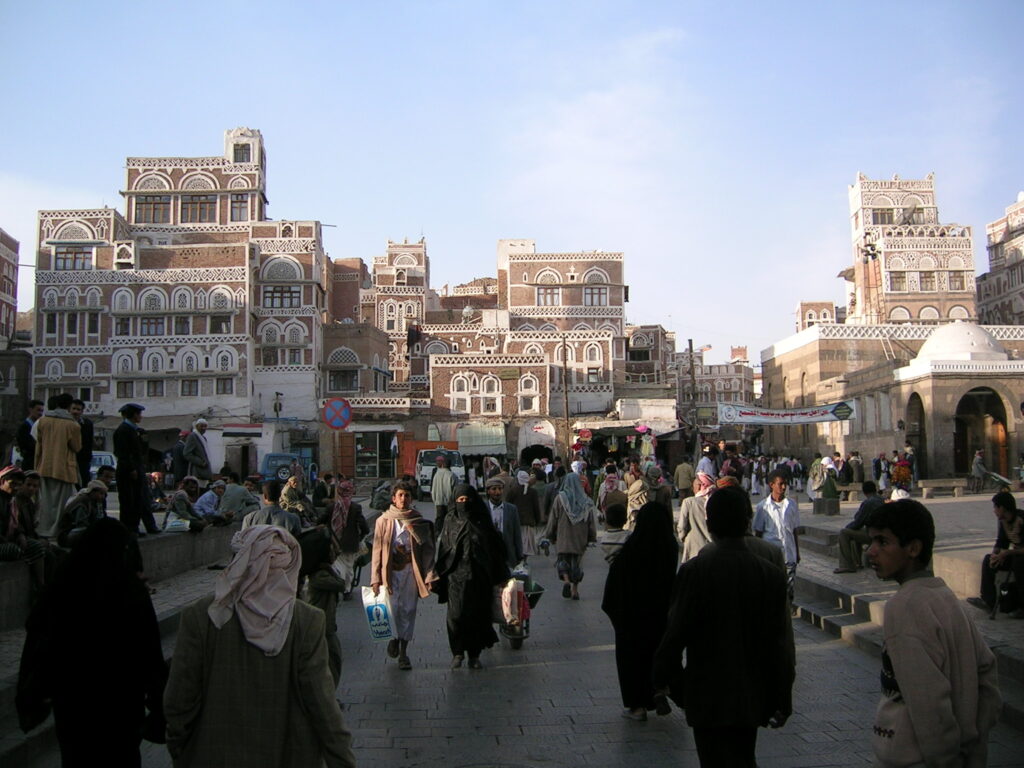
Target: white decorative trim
268,245
306,311
285,369
570,311
489,361
412,290
191,162
583,256
389,403
117,276
138,230
40,351
346,277
149,341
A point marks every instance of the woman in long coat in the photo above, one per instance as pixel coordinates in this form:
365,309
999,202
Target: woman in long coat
636,599
571,526
470,563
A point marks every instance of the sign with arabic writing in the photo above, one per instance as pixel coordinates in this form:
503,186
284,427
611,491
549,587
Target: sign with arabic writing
729,413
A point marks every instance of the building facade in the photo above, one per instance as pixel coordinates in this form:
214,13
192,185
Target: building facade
1001,289
907,265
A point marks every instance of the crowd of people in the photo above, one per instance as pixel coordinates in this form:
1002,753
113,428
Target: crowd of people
699,600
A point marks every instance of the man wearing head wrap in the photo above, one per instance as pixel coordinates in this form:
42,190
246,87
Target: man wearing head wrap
349,528
638,491
692,528
571,526
660,492
253,635
197,453
523,496
83,510
58,440
505,517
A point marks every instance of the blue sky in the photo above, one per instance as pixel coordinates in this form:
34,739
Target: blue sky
712,143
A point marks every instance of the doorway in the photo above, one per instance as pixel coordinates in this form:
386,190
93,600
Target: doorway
980,424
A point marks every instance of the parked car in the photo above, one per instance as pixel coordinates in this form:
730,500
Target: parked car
102,459
278,465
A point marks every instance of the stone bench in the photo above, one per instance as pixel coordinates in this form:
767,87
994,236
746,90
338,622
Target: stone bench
853,489
957,484
164,556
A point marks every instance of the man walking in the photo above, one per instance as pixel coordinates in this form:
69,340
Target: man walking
58,440
776,520
505,517
683,477
441,486
726,602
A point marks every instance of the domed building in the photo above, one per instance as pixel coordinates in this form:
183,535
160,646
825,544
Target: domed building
947,390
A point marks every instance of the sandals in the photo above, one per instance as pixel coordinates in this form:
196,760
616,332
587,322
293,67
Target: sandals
393,648
404,663
457,661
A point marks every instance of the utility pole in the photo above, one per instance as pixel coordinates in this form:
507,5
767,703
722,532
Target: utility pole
693,401
565,402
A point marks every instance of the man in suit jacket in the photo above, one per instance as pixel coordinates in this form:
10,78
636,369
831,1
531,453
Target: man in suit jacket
506,520
23,437
729,612
133,495
84,454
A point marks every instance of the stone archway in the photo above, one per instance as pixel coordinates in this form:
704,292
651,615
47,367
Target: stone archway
980,424
536,440
916,433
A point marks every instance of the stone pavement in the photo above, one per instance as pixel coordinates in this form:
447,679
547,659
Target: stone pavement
556,701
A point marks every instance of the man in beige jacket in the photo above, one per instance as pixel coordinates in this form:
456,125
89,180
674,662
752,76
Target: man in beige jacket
58,441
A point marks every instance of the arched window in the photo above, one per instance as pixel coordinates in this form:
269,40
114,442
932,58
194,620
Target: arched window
459,384
281,269
899,313
123,300
224,361
294,335
533,349
152,301
270,335
343,356
593,353
182,299
221,299
189,363
929,313
86,370
55,370
490,386
125,364
155,364
811,316
50,298
528,383
71,298
959,313
92,297
825,316
595,275
548,277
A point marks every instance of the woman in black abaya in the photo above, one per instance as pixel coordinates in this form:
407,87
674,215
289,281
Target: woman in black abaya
636,599
92,653
470,563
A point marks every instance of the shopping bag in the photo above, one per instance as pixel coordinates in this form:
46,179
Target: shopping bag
378,614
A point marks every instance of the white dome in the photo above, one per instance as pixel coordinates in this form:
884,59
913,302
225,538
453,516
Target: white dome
961,341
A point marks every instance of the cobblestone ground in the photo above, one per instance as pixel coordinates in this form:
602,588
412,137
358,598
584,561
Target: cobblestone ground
556,701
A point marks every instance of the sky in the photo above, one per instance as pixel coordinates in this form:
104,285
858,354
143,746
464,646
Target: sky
712,143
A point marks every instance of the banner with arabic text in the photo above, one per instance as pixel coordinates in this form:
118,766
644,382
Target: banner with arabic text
730,413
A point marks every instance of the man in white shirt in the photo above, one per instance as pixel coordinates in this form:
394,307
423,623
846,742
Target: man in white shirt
776,520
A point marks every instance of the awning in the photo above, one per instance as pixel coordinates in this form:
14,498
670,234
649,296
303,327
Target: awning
482,438
243,430
151,424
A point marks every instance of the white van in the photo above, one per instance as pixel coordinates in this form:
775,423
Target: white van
426,463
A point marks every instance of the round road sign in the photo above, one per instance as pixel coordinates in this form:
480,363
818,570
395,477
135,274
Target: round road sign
337,413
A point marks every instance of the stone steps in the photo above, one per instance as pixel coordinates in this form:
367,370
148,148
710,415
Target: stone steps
852,609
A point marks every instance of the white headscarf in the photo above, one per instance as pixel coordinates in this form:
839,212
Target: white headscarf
523,478
259,586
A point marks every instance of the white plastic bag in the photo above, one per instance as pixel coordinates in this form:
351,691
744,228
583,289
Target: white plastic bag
378,614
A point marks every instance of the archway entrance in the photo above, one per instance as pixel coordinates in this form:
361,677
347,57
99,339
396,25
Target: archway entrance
531,452
916,434
980,425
